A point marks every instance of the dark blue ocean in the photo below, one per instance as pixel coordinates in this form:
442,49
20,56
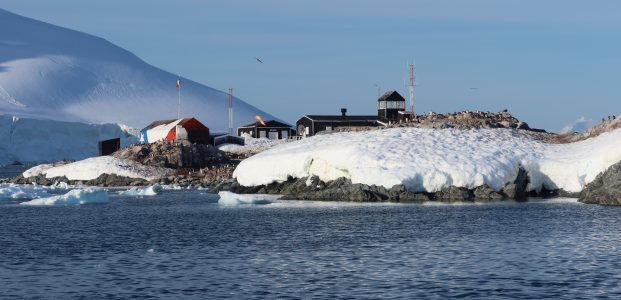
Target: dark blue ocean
182,244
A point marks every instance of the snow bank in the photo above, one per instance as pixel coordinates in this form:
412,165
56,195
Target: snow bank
92,168
148,191
73,197
231,199
20,192
572,166
428,159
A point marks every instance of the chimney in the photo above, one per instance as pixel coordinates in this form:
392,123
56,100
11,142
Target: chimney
343,111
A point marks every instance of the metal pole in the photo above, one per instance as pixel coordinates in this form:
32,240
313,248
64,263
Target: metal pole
179,96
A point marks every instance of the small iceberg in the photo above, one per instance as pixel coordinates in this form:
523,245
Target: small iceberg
21,192
73,197
153,190
231,199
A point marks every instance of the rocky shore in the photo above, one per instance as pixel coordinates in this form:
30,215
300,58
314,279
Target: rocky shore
195,165
342,189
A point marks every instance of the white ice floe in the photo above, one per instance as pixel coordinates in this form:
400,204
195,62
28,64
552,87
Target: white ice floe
21,192
231,199
92,168
73,197
430,159
153,190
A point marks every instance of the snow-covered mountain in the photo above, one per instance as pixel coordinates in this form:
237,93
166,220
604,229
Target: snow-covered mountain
50,72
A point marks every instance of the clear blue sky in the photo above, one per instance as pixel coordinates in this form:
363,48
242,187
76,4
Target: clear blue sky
548,62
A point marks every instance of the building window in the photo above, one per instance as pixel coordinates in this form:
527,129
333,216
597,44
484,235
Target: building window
382,104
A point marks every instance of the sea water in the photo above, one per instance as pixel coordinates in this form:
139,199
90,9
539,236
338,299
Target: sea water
183,244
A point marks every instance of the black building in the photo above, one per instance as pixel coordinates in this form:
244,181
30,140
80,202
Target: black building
273,130
389,105
390,109
310,125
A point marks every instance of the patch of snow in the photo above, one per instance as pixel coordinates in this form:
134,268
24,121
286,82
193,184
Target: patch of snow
153,190
73,197
251,145
429,159
40,169
92,168
21,192
232,199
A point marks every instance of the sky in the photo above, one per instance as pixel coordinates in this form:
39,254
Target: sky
550,63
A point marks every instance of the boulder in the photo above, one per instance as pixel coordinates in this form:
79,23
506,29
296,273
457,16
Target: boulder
605,189
453,193
485,193
517,189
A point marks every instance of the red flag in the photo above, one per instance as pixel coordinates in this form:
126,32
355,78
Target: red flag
178,83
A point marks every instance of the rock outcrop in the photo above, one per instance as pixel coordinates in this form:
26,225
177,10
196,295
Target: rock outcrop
177,154
605,189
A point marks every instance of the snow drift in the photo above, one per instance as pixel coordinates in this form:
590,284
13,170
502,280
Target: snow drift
92,168
73,197
428,159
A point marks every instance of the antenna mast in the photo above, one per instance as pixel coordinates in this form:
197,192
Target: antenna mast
230,109
413,115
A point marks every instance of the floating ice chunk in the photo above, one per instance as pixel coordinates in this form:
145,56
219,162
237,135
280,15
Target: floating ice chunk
60,185
228,198
148,191
171,187
21,192
73,197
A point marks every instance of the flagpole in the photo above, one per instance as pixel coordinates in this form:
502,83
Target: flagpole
179,96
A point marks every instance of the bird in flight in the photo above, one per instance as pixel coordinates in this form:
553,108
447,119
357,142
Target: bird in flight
258,60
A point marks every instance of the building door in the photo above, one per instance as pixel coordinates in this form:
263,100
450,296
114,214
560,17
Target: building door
272,135
285,134
262,134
